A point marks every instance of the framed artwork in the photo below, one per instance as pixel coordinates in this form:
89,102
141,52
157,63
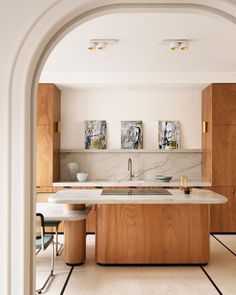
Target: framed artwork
131,134
95,135
168,135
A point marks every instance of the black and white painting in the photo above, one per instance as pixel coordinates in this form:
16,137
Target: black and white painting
95,135
131,134
169,135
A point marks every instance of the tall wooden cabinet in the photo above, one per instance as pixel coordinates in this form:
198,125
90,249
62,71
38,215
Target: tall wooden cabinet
219,151
48,136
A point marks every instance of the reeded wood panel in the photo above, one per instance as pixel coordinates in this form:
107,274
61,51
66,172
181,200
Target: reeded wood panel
152,234
223,217
224,156
224,104
207,136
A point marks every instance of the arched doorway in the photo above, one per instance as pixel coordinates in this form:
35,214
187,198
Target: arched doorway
28,63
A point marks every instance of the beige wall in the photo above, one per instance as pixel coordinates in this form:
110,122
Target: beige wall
114,106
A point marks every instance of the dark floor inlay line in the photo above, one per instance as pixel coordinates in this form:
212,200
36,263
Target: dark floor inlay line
210,279
66,281
224,245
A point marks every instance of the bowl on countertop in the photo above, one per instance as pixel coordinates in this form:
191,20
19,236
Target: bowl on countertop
82,176
164,178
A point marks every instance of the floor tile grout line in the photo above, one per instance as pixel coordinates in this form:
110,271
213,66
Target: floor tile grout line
210,279
67,280
232,252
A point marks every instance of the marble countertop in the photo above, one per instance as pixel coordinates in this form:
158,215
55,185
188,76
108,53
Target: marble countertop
77,196
56,212
125,183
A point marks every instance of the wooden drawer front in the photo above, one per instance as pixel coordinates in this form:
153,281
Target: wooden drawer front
223,216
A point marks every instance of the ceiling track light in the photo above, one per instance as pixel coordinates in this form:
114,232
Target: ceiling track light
175,44
100,44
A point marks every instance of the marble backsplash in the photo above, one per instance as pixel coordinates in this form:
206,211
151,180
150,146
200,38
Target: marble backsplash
114,166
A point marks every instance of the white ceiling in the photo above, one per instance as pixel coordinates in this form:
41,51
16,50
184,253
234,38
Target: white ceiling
140,57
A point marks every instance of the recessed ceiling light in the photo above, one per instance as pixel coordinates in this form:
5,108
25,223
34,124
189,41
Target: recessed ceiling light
100,44
92,45
184,46
174,46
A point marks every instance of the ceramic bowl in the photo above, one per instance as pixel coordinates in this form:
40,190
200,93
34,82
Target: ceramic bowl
163,178
82,176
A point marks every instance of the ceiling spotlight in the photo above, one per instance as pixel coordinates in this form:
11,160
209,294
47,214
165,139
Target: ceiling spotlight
184,46
174,46
101,45
92,45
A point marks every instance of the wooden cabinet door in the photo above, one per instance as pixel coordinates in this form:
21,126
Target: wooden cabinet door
224,103
45,104
207,134
44,173
223,216
224,156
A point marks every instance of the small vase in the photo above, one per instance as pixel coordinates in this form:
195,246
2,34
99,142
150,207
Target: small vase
72,170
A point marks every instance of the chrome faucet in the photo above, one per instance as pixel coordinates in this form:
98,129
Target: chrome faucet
130,169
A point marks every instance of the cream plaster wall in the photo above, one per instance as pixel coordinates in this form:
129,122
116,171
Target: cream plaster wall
114,106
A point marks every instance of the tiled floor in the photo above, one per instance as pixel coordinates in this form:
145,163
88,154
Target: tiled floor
91,278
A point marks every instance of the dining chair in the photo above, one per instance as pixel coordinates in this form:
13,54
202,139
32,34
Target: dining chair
43,240
55,224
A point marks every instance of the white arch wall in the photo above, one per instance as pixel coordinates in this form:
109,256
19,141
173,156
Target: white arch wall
25,29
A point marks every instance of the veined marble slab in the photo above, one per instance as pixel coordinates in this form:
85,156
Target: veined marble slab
124,183
112,166
96,197
56,212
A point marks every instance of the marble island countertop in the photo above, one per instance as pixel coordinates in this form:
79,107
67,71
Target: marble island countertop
57,212
77,196
127,183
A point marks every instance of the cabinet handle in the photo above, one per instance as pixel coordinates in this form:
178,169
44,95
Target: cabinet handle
204,127
57,127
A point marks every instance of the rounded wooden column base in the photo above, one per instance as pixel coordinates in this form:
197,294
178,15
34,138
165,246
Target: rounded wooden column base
74,264
75,242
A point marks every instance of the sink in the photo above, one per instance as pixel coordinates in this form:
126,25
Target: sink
132,182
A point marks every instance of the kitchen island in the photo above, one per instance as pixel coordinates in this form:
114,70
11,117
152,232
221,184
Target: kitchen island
136,227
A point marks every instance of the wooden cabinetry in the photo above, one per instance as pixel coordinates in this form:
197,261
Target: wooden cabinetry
219,151
48,135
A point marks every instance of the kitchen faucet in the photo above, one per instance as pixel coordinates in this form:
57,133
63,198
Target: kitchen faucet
130,169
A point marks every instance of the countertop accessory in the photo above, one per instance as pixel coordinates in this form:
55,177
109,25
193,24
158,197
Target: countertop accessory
82,176
183,182
164,178
187,190
73,169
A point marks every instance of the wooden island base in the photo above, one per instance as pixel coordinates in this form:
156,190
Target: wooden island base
152,234
75,238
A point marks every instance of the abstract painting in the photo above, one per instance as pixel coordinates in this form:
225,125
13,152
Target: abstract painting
131,134
95,135
169,135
